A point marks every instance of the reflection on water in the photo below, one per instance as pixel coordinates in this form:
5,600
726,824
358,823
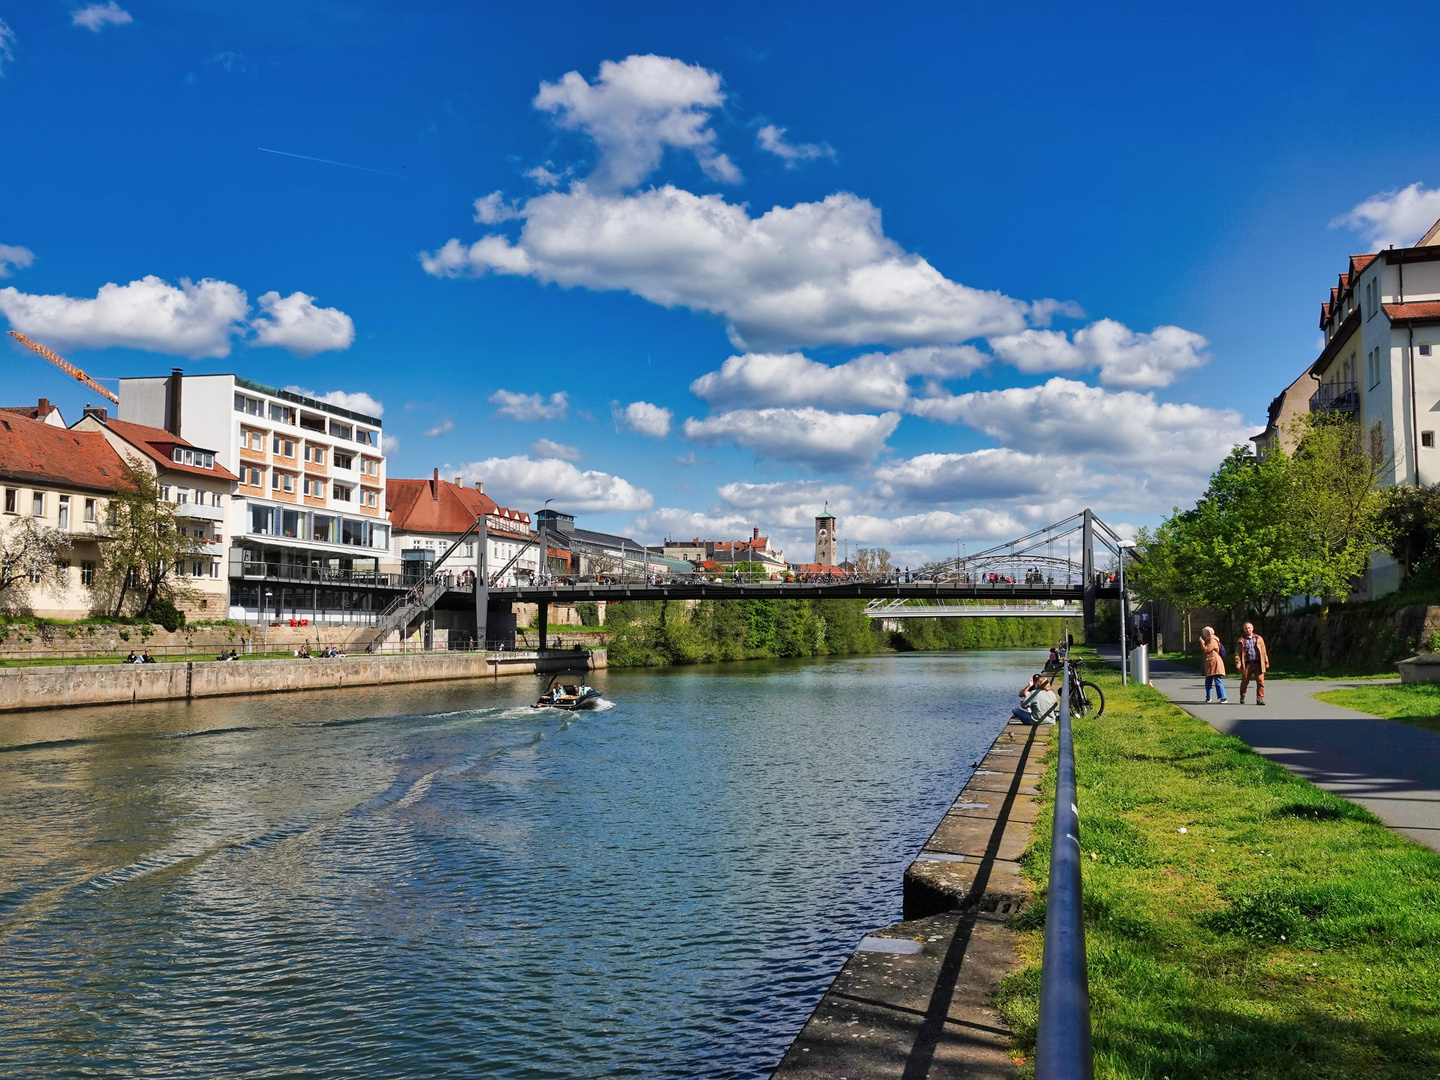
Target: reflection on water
436,881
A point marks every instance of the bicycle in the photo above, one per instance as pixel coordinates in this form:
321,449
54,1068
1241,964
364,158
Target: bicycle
1085,695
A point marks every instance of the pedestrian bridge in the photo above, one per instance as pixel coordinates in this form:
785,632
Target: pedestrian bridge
1050,573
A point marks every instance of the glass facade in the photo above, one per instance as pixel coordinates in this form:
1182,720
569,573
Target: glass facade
310,525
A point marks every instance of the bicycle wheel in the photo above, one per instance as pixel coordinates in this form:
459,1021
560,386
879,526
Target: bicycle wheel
1091,698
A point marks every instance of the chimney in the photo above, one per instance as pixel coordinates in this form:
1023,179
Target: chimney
172,401
755,534
459,481
435,486
97,411
42,410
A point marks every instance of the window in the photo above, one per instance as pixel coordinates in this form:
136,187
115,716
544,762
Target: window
1425,348
89,509
216,499
282,447
372,498
352,532
164,492
366,438
315,488
283,414
251,476
87,574
36,575
282,482
249,405
197,569
261,518
323,528
1427,438
37,504
182,496
342,492
339,430
344,461
290,521
64,512
199,534
11,496
315,454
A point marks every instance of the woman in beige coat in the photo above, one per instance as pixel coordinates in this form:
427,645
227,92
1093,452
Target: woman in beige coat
1213,663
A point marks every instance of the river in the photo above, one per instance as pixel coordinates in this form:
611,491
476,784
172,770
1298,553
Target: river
438,881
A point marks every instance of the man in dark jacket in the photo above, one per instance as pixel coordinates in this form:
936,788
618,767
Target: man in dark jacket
1252,662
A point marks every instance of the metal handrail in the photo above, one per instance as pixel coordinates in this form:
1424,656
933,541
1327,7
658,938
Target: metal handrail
1063,1039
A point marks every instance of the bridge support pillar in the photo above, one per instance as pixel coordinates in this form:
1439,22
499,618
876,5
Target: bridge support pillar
482,590
542,621
1087,570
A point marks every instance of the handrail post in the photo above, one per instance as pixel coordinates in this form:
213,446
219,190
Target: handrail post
1063,1040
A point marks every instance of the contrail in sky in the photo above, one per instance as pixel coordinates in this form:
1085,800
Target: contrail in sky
343,165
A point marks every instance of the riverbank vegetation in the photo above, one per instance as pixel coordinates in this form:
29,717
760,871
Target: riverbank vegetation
657,633
1239,921
1412,703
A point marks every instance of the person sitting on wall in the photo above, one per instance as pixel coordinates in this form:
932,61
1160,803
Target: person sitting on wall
304,652
146,658
1038,703
132,658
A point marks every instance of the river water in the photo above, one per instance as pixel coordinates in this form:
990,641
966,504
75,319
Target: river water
438,881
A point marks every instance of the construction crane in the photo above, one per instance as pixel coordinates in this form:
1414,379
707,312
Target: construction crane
64,365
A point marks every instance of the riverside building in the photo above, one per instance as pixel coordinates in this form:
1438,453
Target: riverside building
199,488
1379,366
428,516
307,525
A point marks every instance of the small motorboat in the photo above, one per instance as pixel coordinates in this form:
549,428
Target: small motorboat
570,697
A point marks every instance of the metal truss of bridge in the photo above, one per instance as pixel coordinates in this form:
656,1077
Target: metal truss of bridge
1026,576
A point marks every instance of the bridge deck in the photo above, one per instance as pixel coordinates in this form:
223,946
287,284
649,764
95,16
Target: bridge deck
935,592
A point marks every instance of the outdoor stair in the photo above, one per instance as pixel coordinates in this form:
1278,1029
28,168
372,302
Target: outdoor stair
403,611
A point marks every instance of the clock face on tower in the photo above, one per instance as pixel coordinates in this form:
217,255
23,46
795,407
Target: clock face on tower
824,533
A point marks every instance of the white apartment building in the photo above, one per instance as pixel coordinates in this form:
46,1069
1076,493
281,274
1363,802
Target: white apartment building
430,515
308,526
1380,364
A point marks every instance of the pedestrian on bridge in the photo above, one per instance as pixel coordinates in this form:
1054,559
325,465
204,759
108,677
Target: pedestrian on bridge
1251,661
1212,663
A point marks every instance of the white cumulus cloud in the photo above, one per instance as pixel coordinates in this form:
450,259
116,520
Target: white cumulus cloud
814,437
389,444
1124,357
647,419
547,448
492,209
191,319
1125,429
442,428
872,381
358,401
1395,218
98,16
772,139
294,322
981,475
530,407
523,481
14,257
635,110
821,273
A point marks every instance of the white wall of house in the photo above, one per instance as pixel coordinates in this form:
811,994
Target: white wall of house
80,515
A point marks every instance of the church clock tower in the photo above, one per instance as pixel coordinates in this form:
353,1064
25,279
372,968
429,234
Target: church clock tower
825,538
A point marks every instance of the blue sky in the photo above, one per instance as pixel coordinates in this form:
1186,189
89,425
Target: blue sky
1001,262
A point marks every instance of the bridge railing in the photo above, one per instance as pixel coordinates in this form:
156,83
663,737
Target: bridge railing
1063,1037
727,577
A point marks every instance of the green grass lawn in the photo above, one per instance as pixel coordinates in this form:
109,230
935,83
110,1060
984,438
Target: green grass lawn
1414,703
1284,933
61,661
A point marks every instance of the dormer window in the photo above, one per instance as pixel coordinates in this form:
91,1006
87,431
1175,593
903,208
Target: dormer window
196,458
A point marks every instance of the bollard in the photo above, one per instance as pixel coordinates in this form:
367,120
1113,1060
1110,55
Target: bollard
1140,664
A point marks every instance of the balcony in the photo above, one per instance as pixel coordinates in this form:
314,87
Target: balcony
1336,397
199,511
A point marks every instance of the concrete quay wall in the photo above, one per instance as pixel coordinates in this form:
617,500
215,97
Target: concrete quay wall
64,686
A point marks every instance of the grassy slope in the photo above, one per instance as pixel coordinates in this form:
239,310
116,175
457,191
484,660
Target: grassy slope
1284,934
1413,703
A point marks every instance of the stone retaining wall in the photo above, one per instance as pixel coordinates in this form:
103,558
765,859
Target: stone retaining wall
112,684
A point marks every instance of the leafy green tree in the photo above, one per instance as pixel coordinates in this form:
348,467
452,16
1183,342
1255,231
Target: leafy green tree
146,546
1411,518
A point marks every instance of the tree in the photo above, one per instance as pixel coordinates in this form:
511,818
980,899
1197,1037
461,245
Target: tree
872,561
31,555
147,545
1411,517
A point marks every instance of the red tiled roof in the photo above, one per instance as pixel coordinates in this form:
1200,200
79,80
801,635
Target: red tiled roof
1427,309
34,452
1358,263
157,444
435,506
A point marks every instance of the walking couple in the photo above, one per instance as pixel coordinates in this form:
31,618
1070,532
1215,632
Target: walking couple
1251,662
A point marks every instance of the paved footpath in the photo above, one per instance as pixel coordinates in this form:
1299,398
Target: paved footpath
1391,769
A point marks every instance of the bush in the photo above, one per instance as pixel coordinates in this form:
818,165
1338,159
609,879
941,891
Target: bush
165,613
